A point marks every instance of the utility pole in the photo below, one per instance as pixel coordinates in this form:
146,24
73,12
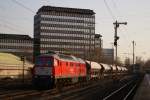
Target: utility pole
116,25
133,42
112,60
100,56
101,53
23,67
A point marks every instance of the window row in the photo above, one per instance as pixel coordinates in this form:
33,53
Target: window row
68,17
17,44
77,33
70,29
16,50
62,43
64,46
15,47
73,37
64,40
62,31
63,34
66,25
15,41
67,20
70,14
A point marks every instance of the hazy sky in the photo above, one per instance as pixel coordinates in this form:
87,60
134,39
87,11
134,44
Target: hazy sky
18,19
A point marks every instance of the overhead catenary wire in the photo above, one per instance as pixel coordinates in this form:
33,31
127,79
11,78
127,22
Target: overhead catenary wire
44,2
22,5
117,10
114,4
109,10
11,28
119,16
127,37
9,23
112,14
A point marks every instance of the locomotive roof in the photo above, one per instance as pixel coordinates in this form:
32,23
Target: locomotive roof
64,57
70,58
79,59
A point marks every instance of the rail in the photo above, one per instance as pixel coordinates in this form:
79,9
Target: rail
126,92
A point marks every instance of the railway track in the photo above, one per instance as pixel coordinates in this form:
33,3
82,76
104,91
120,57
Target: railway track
125,92
69,95
94,92
33,93
65,93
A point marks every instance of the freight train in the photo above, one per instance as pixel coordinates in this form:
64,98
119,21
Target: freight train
54,68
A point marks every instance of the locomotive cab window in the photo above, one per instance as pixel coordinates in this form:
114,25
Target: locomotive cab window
44,61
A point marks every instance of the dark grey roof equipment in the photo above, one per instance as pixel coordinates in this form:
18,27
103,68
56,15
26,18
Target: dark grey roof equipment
64,9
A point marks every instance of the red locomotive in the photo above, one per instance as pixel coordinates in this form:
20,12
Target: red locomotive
56,68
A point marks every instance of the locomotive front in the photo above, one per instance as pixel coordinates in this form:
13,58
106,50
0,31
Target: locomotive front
43,72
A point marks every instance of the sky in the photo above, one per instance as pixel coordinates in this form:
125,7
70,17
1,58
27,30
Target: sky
16,17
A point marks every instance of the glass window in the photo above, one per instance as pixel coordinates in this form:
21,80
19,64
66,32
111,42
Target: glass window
43,61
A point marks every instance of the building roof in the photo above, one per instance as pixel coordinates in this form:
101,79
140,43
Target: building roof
64,9
15,36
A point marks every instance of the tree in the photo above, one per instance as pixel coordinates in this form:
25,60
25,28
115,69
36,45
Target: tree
127,62
97,55
140,62
146,66
118,62
147,63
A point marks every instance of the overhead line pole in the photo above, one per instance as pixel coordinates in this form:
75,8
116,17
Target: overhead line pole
133,42
116,26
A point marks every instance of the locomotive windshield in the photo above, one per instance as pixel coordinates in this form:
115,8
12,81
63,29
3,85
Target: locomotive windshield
44,61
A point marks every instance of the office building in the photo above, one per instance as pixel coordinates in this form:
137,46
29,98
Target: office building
20,45
64,30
